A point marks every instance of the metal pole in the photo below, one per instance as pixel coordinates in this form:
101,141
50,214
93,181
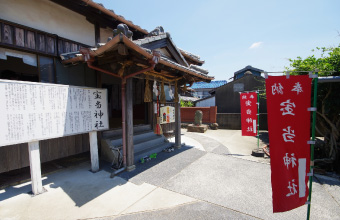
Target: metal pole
258,120
312,147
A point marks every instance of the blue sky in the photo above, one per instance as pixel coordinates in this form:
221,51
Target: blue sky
230,35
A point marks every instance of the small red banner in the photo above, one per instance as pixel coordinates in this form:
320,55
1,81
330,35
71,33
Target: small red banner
248,113
288,101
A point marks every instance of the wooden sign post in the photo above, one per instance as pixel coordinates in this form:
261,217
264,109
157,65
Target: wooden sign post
34,156
94,151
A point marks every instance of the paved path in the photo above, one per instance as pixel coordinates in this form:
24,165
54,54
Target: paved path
212,177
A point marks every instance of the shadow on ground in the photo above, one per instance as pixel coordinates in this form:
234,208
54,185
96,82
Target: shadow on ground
166,165
264,137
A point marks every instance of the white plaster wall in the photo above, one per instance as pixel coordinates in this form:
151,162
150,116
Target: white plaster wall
206,103
49,17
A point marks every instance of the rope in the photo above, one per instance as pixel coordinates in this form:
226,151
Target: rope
147,93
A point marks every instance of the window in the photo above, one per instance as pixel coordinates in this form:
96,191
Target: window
46,67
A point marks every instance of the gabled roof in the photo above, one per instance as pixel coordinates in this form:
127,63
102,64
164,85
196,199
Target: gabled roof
192,57
231,83
247,68
163,41
211,85
110,49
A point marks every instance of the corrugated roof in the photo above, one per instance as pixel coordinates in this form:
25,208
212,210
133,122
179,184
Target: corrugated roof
211,85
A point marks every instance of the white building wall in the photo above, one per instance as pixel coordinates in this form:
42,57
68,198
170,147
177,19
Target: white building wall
47,16
206,103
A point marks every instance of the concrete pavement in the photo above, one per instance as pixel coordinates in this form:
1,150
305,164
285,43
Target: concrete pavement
212,177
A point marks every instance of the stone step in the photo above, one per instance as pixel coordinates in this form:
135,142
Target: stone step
148,151
148,143
137,138
117,133
145,142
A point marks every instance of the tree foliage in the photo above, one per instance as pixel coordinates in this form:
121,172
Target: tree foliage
328,100
187,103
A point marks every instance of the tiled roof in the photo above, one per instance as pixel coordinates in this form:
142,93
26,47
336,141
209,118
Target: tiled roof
188,99
160,36
195,70
192,56
211,85
116,16
198,68
150,39
202,99
248,68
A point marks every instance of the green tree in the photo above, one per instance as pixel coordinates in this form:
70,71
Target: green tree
328,101
187,103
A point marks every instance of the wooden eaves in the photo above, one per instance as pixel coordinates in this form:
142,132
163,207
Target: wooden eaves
122,39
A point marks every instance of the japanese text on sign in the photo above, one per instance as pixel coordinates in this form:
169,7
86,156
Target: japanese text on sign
167,114
38,111
289,131
249,113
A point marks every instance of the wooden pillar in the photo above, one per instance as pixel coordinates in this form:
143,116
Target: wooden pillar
94,151
97,33
150,115
178,141
129,125
34,156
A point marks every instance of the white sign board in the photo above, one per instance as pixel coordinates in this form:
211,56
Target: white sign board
167,114
37,111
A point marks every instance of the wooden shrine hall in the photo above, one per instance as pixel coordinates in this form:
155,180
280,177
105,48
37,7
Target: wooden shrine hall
135,66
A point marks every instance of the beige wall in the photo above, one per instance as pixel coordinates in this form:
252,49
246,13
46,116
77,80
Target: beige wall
49,17
105,34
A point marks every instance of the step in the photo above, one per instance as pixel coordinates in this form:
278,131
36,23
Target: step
116,133
137,138
146,144
141,128
151,150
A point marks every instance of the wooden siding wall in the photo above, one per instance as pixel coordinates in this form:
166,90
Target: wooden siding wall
16,156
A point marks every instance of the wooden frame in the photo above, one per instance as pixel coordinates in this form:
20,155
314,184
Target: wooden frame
41,42
24,38
7,34
19,37
30,40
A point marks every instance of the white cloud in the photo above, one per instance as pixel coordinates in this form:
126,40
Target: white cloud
256,45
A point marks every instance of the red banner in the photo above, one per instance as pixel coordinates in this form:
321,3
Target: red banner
248,113
288,101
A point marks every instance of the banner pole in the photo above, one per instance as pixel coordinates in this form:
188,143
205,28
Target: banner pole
258,120
312,146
